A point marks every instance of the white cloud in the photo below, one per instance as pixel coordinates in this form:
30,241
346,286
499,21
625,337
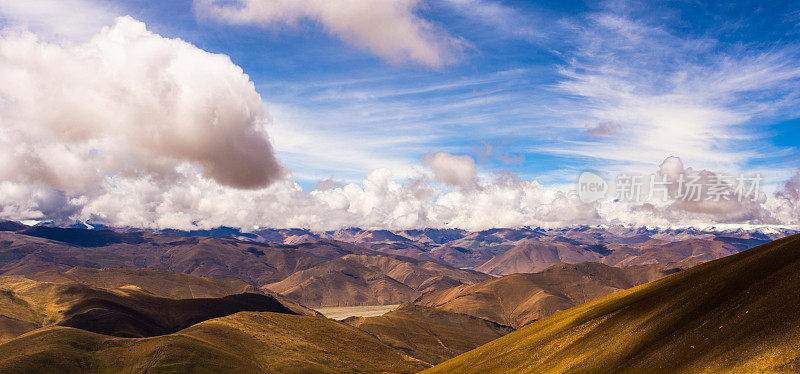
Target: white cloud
379,201
786,203
452,170
190,201
127,102
501,19
693,197
668,94
389,29
603,129
58,19
727,208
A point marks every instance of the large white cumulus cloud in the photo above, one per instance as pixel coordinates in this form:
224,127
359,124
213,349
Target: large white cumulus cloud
388,28
452,170
127,103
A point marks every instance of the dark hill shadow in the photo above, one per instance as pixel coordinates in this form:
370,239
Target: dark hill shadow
139,315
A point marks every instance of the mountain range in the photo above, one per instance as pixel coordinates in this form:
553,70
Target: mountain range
110,299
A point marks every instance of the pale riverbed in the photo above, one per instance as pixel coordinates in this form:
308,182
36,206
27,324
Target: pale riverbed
342,312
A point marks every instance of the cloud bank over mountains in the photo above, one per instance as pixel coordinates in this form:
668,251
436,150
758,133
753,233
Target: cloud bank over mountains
134,129
192,201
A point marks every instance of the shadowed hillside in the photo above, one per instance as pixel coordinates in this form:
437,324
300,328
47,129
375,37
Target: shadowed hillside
140,315
429,334
343,283
159,283
738,313
246,342
127,311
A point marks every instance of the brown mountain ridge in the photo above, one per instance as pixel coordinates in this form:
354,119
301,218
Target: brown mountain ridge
518,299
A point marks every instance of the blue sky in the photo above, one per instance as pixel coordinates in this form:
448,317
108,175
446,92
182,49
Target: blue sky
527,83
543,90
526,86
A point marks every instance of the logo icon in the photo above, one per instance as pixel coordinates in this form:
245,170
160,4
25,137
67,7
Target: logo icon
591,187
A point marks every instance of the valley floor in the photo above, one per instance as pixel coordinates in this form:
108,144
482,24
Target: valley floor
343,312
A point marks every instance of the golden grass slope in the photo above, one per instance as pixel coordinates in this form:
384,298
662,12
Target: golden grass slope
128,313
135,303
518,299
246,342
158,283
737,314
429,334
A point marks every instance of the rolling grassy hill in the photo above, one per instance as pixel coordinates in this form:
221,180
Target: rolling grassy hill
157,283
518,299
127,311
737,314
246,342
429,334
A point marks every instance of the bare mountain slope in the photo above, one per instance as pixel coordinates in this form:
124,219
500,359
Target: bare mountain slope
343,283
518,299
254,263
356,280
735,314
429,334
534,255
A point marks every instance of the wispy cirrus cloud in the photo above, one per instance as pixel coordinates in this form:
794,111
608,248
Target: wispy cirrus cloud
502,19
58,19
390,29
670,94
346,129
